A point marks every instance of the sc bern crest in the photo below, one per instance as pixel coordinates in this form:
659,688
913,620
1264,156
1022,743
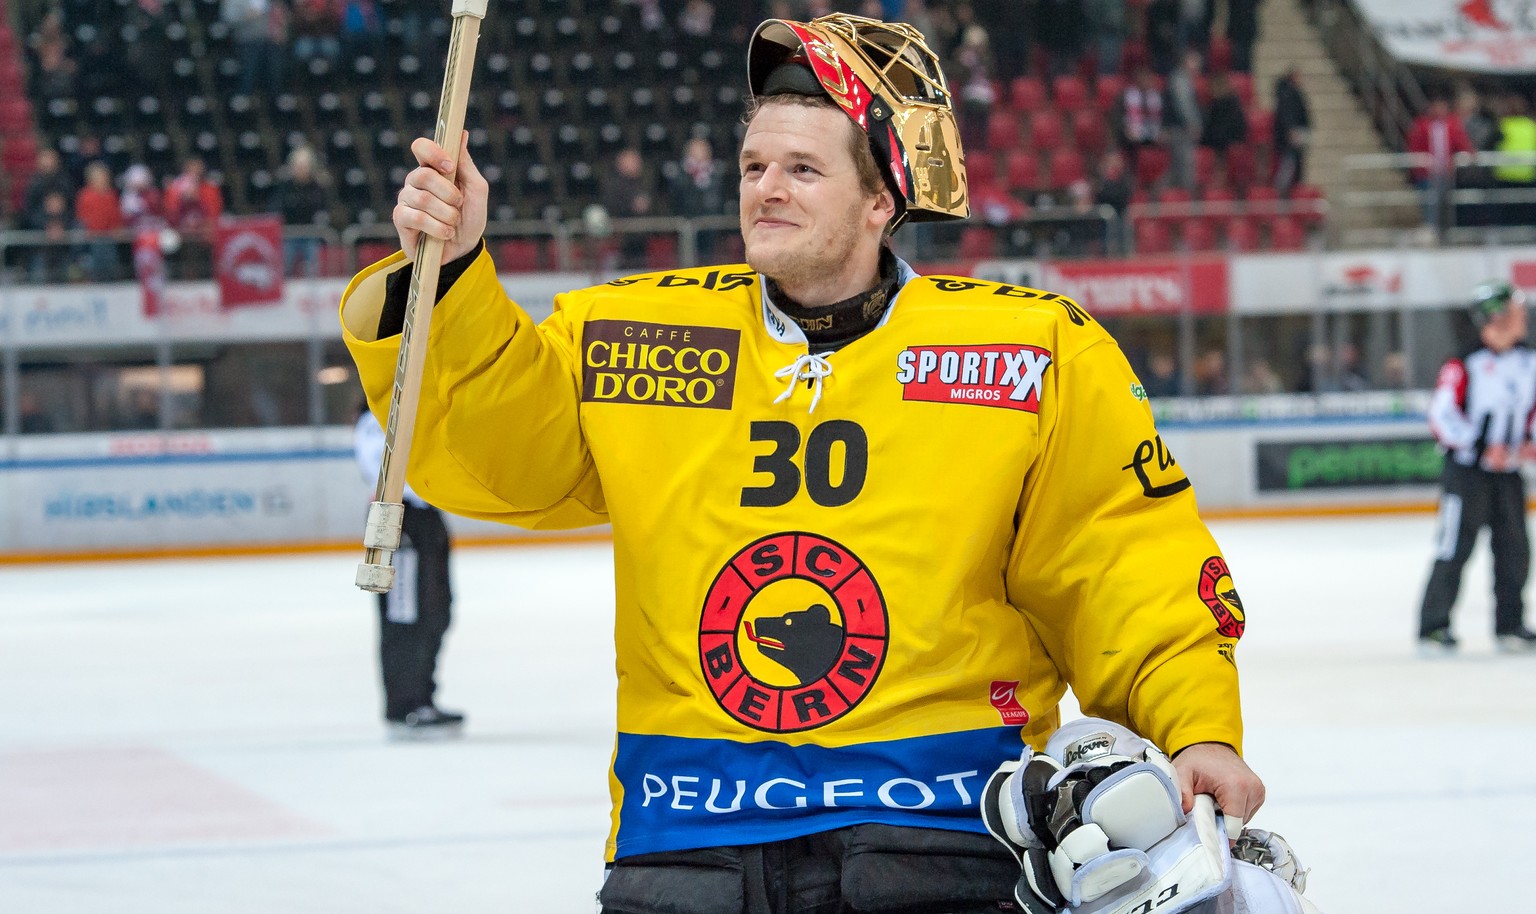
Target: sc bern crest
793,633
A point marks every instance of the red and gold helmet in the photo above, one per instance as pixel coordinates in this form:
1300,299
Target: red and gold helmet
886,79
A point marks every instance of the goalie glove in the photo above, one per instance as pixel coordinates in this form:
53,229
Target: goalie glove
1097,825
1270,851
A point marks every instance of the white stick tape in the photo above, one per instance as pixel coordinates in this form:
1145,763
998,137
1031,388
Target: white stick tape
474,8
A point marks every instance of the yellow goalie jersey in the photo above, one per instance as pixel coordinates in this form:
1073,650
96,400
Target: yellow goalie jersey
842,614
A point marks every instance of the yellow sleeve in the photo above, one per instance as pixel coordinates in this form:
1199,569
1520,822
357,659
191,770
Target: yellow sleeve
498,429
1111,560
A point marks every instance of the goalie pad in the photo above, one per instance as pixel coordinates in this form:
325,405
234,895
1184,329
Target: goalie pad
1097,825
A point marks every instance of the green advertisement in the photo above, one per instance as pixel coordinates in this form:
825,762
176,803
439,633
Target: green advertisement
1291,466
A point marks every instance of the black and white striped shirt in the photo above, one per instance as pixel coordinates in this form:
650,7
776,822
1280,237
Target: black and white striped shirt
1484,399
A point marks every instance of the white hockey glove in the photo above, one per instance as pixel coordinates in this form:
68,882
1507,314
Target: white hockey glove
1097,825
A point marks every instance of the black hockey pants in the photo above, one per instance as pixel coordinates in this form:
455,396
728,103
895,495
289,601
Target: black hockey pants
868,869
414,615
1473,499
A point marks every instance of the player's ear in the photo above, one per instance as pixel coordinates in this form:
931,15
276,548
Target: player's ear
883,209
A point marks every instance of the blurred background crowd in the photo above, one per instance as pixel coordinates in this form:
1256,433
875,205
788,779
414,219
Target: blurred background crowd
1158,130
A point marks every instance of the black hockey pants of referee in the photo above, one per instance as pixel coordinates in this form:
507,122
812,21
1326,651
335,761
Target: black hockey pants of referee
1473,499
414,615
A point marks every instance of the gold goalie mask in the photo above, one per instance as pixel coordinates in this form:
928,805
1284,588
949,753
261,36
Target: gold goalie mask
886,79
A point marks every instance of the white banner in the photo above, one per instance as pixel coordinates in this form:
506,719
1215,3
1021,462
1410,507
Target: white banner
113,313
1485,36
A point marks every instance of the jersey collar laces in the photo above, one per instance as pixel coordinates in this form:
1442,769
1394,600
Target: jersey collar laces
809,367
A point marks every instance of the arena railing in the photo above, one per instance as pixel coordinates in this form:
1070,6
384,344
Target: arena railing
30,256
1388,88
1466,204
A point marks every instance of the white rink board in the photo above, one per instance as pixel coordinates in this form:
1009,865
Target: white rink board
263,487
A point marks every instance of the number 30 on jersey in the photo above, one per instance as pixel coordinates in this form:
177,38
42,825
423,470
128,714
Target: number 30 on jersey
836,441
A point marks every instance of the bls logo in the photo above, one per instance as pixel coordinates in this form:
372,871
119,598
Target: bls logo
1219,594
793,633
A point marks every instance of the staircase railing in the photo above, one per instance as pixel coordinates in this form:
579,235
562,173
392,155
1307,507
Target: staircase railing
1388,88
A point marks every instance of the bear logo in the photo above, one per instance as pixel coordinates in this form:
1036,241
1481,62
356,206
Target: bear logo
806,642
817,617
1220,596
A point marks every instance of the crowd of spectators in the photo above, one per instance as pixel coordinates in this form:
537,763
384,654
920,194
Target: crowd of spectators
1146,107
1462,120
1318,369
88,216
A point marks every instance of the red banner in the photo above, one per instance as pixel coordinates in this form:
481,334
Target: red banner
149,267
248,260
1147,285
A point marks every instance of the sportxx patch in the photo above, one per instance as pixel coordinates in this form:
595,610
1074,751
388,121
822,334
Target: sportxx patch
793,633
658,364
1004,375
1220,595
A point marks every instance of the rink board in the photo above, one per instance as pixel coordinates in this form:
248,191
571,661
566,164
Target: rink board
275,488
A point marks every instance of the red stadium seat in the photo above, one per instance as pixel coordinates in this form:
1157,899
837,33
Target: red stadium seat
13,81
518,255
1002,130
19,155
1287,234
1264,196
1242,165
981,167
1045,130
15,115
1066,167
977,243
1026,94
1069,93
1151,165
1261,126
1153,237
1107,92
1090,131
1023,170
1243,235
1173,196
1220,203
1205,166
371,252
1200,235
661,252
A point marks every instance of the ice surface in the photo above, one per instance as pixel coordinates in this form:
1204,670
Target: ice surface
195,736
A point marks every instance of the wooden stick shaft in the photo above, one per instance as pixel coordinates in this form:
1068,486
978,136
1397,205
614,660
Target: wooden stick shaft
381,540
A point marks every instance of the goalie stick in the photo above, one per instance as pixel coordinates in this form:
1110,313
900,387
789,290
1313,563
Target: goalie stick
381,537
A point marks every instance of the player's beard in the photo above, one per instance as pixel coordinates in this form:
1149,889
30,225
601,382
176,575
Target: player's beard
811,260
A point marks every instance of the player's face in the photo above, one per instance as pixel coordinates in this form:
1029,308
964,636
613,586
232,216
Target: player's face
804,218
